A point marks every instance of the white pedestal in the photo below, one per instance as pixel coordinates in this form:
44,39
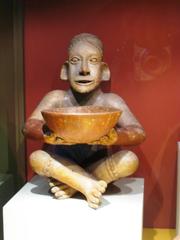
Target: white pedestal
32,214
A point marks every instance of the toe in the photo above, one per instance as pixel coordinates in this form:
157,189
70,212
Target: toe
63,197
96,193
53,183
54,189
93,205
94,200
102,186
59,194
103,183
101,189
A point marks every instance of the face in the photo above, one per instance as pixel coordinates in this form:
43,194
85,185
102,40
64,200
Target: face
84,71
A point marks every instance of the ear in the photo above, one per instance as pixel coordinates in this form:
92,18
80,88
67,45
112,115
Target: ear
64,71
106,74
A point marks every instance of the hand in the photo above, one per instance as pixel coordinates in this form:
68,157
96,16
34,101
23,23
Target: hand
33,129
46,130
51,138
130,135
108,139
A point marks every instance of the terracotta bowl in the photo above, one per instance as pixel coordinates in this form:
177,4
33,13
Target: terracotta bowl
81,124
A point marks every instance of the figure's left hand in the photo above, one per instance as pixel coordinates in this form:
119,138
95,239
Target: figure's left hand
108,139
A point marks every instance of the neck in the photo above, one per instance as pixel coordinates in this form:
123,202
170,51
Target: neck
84,98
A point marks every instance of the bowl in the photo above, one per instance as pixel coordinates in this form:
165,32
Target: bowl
82,124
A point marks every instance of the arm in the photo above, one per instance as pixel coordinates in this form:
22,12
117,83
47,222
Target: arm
33,129
130,135
130,132
34,124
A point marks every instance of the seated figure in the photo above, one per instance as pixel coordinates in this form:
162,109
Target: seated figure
84,167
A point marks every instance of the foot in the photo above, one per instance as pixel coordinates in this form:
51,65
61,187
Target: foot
93,192
60,190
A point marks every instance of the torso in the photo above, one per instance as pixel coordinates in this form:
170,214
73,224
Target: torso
82,154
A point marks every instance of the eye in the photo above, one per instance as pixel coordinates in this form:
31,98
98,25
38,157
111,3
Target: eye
74,60
93,60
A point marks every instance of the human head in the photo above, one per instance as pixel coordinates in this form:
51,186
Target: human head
86,38
85,68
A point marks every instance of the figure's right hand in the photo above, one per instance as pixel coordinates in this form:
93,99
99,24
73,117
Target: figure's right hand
51,138
37,130
33,129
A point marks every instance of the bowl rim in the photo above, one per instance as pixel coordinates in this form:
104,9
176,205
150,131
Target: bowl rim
57,111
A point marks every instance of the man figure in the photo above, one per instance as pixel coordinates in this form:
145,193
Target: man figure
82,167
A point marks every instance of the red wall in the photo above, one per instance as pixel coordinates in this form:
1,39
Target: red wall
142,49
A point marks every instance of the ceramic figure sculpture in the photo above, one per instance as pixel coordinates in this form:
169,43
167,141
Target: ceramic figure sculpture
75,163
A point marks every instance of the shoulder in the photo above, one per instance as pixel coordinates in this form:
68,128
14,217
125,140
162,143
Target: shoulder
55,95
113,100
50,100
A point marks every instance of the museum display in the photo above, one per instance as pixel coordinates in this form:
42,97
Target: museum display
79,125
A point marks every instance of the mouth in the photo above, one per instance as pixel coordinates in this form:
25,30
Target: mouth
84,82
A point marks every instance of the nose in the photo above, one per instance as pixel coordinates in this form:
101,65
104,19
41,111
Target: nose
84,71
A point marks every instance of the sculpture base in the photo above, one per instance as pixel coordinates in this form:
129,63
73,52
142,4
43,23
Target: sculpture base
33,214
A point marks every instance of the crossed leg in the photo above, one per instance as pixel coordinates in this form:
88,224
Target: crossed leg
121,164
70,174
69,177
62,190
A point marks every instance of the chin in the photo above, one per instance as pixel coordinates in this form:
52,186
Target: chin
82,90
